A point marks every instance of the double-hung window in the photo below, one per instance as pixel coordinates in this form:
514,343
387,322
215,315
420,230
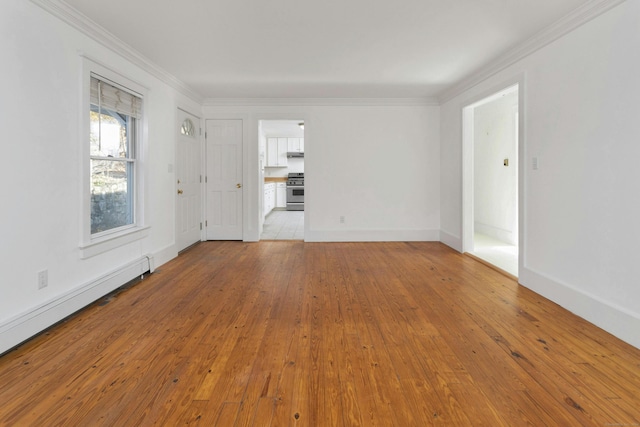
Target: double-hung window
114,128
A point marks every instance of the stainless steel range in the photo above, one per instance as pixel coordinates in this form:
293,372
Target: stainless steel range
295,191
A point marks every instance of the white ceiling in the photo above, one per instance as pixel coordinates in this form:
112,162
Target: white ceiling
290,128
323,48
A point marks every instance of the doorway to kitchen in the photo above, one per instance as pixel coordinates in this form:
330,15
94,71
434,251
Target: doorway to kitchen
491,179
281,161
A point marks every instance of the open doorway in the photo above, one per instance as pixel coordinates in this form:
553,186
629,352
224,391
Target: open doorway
281,162
491,146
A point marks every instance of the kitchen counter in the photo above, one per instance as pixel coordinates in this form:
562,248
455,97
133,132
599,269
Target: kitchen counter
275,179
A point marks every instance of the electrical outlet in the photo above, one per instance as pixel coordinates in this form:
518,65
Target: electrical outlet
43,279
342,220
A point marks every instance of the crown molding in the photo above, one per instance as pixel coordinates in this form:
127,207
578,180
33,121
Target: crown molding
563,26
91,29
568,23
319,102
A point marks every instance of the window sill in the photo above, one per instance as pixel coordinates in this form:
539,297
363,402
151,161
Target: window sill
107,243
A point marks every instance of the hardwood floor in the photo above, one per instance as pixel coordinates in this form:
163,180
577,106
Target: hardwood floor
286,333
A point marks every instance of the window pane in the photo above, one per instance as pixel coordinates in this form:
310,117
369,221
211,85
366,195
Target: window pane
108,134
187,128
111,194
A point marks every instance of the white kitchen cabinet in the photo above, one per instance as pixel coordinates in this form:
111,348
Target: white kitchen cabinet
269,197
265,203
277,152
272,152
295,145
281,195
282,152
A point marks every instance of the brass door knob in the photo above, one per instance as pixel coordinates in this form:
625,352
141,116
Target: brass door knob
180,191
238,185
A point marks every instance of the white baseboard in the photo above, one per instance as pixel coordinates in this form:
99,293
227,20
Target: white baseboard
372,235
163,256
29,323
450,240
503,235
616,320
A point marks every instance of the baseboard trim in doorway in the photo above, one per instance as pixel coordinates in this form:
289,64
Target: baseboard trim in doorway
488,264
282,240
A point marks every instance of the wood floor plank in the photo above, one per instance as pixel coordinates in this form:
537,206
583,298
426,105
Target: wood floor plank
259,397
228,413
264,413
322,334
516,329
486,368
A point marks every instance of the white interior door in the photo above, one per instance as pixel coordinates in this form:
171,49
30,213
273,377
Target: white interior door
224,180
188,173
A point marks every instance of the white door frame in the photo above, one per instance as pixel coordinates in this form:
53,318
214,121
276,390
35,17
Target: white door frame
468,166
255,144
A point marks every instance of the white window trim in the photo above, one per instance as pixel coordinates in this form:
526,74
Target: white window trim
91,245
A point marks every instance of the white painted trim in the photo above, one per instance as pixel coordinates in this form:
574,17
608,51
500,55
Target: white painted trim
468,118
163,256
497,233
29,323
188,110
109,242
372,235
617,320
256,217
92,245
568,23
565,25
518,83
91,29
330,102
454,242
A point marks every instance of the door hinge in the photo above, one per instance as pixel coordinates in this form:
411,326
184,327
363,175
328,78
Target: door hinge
200,226
206,223
206,179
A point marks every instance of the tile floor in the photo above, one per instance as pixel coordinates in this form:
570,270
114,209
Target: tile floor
502,255
283,225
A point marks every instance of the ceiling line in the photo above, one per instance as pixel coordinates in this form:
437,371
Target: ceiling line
564,25
93,30
288,102
568,23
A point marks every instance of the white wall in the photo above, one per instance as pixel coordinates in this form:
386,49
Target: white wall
40,80
295,164
393,172
495,185
376,165
393,155
581,207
